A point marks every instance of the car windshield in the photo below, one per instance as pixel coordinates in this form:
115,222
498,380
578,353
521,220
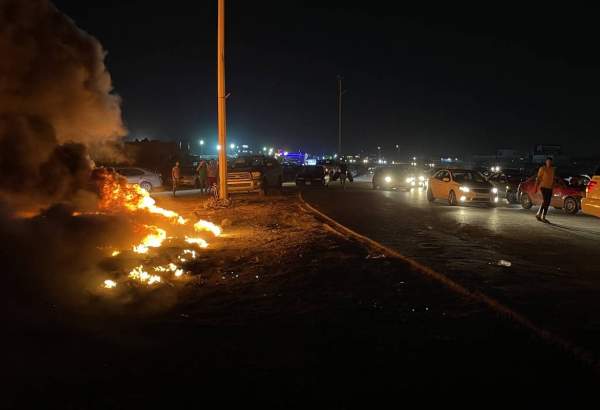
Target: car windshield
246,162
467,176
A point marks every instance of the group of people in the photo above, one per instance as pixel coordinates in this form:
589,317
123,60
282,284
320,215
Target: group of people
207,173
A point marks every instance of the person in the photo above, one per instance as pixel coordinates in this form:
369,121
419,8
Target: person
212,174
343,172
202,172
175,176
545,182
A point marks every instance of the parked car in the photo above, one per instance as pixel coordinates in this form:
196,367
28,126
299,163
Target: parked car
313,175
564,196
398,177
591,203
146,179
254,173
507,182
459,186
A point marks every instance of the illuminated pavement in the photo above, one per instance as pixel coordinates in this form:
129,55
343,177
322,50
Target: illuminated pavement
554,277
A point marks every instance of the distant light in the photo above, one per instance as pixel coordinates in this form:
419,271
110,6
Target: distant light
232,146
285,153
264,148
201,142
397,146
218,147
366,160
388,179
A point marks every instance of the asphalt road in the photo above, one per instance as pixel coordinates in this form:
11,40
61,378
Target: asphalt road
554,277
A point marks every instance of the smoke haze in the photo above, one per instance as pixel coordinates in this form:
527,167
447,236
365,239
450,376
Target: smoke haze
55,100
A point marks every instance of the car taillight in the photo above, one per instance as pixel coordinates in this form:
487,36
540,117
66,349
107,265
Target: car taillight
591,186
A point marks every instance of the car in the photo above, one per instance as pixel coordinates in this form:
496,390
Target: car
189,176
146,179
314,175
507,182
564,197
254,173
591,203
398,177
459,186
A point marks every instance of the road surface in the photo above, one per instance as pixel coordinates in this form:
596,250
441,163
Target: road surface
554,273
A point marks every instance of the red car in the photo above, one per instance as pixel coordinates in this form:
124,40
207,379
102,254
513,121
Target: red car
564,197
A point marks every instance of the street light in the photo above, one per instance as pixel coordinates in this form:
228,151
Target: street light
201,142
232,146
218,147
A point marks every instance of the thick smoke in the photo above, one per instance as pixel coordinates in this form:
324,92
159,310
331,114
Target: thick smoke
55,101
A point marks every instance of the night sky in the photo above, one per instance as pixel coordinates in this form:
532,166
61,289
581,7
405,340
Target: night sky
453,81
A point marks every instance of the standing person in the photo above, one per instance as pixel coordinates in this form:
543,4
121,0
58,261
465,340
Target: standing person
212,174
545,183
343,172
175,176
202,172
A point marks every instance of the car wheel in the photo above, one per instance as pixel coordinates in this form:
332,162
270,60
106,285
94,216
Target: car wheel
511,197
571,206
146,186
451,198
526,201
430,196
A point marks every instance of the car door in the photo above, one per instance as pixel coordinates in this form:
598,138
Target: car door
557,193
440,186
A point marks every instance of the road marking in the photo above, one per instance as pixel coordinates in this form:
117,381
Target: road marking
579,353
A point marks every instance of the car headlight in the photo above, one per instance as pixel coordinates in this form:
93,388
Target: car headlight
494,190
255,175
387,179
409,180
422,178
465,189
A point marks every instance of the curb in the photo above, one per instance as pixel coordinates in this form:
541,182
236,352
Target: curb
500,309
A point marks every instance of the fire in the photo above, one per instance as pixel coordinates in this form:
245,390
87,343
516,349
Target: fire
115,253
171,267
109,284
116,193
203,225
197,241
152,240
142,276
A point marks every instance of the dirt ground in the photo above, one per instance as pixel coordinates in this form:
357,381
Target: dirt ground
282,311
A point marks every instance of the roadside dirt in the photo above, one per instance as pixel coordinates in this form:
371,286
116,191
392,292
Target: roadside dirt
282,311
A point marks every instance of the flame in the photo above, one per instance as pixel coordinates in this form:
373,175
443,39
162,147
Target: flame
171,267
142,276
203,225
115,253
116,193
190,252
152,240
109,284
197,241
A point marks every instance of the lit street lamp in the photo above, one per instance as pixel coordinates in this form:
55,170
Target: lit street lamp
201,146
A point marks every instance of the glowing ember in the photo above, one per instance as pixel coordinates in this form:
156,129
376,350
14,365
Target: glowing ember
109,284
171,267
203,225
152,240
142,276
115,253
197,241
190,252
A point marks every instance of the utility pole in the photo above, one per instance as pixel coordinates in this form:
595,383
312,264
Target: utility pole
222,112
340,93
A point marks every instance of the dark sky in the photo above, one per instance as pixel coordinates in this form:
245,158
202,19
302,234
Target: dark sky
432,80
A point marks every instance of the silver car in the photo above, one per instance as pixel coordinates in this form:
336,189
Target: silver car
146,179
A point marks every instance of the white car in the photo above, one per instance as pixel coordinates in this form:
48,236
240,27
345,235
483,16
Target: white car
146,179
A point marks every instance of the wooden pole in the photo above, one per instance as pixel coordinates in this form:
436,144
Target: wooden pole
221,102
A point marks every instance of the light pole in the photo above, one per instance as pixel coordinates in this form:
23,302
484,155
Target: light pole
221,96
341,92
